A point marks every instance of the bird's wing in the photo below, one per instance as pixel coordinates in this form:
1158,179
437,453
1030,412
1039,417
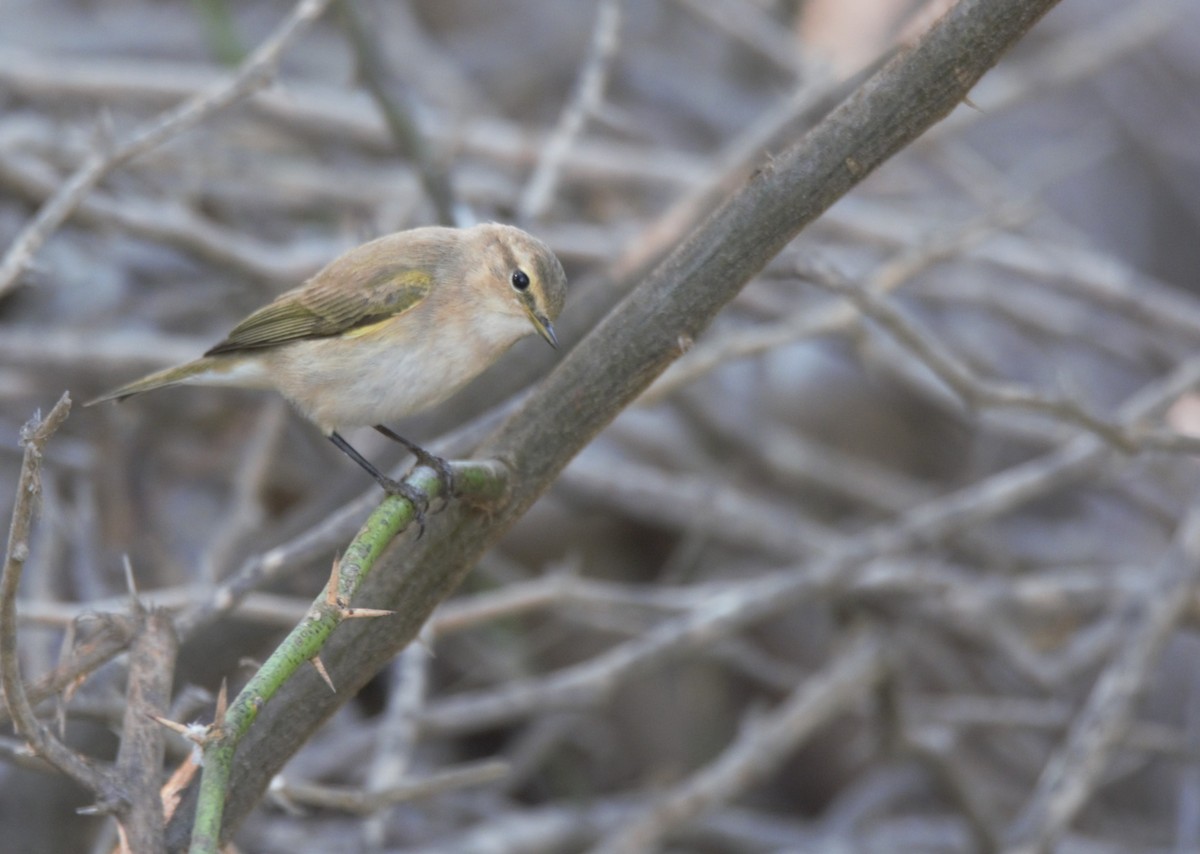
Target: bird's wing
330,304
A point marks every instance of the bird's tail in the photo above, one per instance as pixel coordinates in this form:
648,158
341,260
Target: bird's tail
190,372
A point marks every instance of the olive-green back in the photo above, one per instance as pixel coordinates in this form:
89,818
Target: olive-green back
355,290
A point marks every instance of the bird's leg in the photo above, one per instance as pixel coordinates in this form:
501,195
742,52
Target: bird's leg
444,472
419,500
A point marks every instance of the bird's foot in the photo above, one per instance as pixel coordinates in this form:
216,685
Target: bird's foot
416,497
445,474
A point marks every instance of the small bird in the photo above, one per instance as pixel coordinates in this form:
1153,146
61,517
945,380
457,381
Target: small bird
387,329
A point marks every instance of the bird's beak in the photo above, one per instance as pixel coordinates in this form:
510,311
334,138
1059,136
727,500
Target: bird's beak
544,328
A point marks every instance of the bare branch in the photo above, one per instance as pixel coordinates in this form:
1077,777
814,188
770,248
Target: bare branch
140,758
588,94
253,74
366,802
385,89
1073,772
759,749
975,391
34,437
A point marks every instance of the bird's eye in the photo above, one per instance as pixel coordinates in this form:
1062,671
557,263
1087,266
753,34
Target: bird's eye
520,281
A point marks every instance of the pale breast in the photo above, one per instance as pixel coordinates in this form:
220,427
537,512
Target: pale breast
340,383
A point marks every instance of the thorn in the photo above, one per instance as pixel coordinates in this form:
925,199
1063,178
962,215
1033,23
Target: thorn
338,604
364,613
173,726
199,735
222,704
131,586
335,578
315,661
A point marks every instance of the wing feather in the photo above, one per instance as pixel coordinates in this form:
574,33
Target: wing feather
329,305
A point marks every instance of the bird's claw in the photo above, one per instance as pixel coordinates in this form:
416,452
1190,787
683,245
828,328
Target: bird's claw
424,458
416,497
445,475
